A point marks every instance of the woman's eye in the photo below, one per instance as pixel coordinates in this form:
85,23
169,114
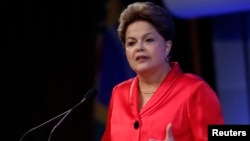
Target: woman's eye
149,40
131,43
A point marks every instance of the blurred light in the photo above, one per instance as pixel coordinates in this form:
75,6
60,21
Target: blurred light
201,8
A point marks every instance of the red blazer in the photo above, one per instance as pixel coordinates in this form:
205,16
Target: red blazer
185,100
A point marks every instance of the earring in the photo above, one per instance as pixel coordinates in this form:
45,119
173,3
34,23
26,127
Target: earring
166,58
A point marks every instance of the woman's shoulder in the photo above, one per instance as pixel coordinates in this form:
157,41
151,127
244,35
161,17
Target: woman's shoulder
126,82
195,81
192,77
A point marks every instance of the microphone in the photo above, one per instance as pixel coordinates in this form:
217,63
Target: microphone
90,94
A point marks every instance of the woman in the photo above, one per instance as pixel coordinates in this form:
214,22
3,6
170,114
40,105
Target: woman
161,102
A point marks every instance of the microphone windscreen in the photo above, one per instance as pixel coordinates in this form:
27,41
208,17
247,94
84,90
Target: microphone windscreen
90,94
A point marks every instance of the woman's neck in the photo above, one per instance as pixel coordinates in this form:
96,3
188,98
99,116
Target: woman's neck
148,83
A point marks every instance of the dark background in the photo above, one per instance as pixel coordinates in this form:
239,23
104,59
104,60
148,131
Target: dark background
48,61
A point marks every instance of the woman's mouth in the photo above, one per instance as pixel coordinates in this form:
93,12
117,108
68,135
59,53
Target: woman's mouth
141,58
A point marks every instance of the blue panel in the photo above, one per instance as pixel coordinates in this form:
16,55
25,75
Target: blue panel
201,8
247,42
230,68
114,67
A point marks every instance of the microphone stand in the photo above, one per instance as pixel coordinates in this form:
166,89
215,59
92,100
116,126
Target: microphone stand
91,93
66,115
45,123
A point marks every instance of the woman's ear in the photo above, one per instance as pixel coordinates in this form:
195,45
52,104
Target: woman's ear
168,46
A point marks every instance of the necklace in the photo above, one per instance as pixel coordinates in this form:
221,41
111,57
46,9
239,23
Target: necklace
147,92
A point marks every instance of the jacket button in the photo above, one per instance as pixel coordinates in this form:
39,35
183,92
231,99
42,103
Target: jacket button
136,125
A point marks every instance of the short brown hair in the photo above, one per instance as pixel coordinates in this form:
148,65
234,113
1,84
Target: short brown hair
159,17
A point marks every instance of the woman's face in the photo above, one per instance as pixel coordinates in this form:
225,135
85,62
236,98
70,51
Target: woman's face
146,49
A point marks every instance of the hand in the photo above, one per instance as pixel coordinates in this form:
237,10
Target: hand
169,135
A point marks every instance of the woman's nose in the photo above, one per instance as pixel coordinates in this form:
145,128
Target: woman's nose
140,48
